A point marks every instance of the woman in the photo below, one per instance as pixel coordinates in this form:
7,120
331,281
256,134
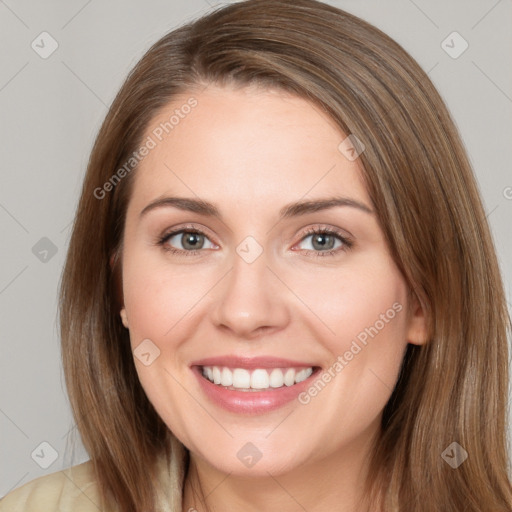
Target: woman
281,292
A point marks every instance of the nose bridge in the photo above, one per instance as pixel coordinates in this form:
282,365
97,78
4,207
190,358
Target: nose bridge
249,298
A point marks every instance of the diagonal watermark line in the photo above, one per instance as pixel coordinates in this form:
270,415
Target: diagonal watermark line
492,211
301,300
391,389
218,485
2,1
66,226
280,423
199,403
78,487
73,17
12,280
75,426
432,68
286,491
203,501
199,300
14,423
204,497
17,483
485,15
304,195
180,179
424,13
13,77
492,81
84,84
14,218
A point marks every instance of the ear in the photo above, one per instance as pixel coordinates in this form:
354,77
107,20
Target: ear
124,318
112,262
417,331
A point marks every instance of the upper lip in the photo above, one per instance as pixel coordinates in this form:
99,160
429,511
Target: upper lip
251,362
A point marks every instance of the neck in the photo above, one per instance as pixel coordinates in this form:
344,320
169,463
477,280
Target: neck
333,482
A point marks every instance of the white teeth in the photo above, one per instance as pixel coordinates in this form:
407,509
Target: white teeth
260,378
289,377
276,378
241,378
303,375
226,377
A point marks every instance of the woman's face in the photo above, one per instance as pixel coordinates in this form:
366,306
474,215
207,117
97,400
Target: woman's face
303,333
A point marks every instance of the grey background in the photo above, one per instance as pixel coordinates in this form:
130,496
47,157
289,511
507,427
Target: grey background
52,108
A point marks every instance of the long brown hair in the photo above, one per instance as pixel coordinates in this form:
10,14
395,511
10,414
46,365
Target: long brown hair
452,389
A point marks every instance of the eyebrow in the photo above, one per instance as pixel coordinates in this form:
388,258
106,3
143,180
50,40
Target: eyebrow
297,209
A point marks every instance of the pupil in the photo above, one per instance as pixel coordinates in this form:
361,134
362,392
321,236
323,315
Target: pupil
192,240
320,239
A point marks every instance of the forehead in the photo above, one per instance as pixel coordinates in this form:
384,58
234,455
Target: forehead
245,146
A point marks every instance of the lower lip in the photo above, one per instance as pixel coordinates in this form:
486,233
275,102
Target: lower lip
251,402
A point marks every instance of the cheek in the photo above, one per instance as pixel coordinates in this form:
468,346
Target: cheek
159,304
365,312
157,298
365,300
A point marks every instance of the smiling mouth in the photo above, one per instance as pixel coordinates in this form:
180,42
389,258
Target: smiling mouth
258,379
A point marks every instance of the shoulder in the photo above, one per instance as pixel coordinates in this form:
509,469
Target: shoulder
74,490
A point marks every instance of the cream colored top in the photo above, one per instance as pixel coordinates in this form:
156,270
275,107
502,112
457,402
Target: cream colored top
75,490
72,490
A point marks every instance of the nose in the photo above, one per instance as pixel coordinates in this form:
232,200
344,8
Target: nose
250,301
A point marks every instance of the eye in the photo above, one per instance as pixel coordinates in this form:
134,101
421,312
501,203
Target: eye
326,242
191,241
187,242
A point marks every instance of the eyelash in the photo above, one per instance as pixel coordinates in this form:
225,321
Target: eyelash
347,243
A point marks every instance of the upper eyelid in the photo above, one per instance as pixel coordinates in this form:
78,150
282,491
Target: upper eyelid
179,229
